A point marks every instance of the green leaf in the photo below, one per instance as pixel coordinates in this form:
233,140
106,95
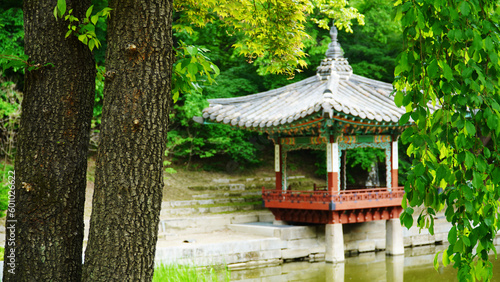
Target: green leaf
464,8
481,164
495,174
432,69
82,37
405,118
447,72
477,180
469,159
492,122
94,19
398,99
89,11
192,50
436,263
419,169
452,235
470,128
192,69
61,7
446,258
488,43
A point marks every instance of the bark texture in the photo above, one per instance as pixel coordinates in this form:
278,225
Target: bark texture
129,177
45,216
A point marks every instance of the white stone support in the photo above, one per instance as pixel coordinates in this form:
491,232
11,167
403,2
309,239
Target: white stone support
394,237
334,243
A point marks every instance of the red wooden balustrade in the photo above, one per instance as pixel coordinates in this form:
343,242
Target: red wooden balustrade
347,206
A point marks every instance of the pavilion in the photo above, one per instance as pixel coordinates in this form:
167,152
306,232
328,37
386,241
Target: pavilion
335,110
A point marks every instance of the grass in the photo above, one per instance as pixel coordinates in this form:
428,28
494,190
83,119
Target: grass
178,272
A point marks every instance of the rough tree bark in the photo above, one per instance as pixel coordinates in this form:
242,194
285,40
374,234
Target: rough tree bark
129,179
45,218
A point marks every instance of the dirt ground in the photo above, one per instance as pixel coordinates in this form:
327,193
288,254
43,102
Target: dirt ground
176,185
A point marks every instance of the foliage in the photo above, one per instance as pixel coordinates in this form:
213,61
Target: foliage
85,29
10,113
364,157
12,37
179,272
191,67
6,171
360,158
188,139
270,32
373,47
450,59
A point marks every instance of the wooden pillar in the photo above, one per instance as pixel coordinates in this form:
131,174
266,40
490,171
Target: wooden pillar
332,164
394,164
278,165
343,170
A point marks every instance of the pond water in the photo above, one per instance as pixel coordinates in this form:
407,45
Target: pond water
415,266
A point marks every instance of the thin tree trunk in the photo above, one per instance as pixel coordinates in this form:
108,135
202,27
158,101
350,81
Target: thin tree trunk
45,216
129,175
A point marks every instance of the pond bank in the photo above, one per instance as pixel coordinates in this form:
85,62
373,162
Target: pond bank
255,244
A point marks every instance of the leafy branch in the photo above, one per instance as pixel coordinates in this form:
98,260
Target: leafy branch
19,62
191,68
85,31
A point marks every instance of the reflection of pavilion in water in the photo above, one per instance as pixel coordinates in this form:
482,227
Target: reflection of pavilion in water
334,111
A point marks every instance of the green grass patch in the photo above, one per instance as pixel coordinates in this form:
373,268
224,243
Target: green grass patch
178,272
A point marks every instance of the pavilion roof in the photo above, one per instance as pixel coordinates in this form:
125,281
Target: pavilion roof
334,94
357,96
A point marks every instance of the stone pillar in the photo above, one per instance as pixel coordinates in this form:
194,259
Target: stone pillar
332,165
334,243
394,237
334,272
394,164
278,165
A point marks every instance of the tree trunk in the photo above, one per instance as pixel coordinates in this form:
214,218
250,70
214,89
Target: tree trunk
129,175
45,217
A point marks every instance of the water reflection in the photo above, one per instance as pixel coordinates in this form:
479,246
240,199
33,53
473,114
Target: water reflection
415,266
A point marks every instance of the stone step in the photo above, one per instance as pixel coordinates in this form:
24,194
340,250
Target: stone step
217,195
245,206
212,201
210,223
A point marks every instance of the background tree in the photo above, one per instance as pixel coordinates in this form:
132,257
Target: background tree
450,59
371,49
51,158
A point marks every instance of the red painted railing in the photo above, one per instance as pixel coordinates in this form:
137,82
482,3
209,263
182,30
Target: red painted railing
328,200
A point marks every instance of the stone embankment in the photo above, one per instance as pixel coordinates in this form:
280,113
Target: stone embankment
228,224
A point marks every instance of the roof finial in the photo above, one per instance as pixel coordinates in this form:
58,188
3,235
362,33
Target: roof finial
334,50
